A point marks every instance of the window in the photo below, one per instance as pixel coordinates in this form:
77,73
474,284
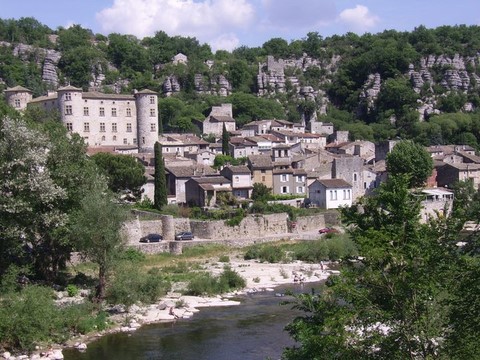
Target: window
299,189
300,178
333,194
354,177
263,178
284,190
143,140
85,111
103,138
125,141
153,127
102,111
263,171
236,179
86,127
152,99
102,127
68,110
17,103
69,126
365,185
284,178
114,112
129,112
129,127
346,194
135,141
68,96
152,112
114,138
114,127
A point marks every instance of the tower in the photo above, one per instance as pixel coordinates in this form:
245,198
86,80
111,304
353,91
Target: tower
147,119
18,97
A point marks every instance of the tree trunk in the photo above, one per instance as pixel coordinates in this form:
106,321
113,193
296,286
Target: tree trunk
102,281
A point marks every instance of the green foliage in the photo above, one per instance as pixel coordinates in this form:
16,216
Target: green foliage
411,159
207,284
131,284
224,259
123,172
132,255
96,228
265,253
72,290
160,196
221,160
261,192
29,318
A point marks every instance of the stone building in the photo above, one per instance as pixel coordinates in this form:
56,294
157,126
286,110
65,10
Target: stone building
330,193
100,119
219,116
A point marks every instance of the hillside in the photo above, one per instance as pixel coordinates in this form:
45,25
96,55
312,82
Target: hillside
422,84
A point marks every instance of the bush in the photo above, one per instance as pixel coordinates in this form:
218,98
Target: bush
266,253
29,318
130,285
72,290
132,254
224,259
230,280
207,284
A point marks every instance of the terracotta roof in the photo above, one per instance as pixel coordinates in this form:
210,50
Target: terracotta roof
218,180
146,91
473,158
99,95
334,183
465,166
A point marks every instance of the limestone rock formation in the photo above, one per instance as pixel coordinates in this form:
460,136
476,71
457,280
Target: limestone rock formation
171,85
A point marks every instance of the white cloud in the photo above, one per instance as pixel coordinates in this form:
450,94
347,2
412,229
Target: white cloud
359,18
227,42
202,19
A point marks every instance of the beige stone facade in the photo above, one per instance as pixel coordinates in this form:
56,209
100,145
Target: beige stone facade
101,119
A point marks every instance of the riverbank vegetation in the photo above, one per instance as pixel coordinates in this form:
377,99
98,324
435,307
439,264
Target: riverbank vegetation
409,297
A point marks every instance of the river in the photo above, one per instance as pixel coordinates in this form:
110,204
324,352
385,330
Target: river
251,331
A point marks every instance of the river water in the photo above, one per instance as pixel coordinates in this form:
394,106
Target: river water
252,330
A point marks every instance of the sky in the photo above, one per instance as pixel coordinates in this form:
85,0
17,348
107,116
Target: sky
228,24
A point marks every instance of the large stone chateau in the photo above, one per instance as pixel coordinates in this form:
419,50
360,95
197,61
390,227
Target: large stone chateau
101,119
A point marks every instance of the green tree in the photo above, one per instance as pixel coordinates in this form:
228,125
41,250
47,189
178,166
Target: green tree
411,159
96,228
123,172
30,200
160,196
225,140
390,304
261,192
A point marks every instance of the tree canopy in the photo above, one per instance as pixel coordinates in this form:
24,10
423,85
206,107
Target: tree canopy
411,159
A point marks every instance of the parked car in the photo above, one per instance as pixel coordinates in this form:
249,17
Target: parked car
151,238
327,230
185,235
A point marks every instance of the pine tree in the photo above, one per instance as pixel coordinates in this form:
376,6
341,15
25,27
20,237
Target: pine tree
160,197
225,140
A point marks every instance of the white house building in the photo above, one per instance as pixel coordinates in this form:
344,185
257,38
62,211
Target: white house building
330,193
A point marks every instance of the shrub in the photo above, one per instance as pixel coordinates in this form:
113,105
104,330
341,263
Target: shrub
202,284
266,253
207,284
130,285
230,280
224,259
256,279
132,254
72,290
28,318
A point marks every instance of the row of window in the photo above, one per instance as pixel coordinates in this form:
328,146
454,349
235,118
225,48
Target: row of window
333,195
68,97
86,111
86,127
284,178
125,140
286,190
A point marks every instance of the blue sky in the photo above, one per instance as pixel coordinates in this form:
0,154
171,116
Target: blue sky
227,24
